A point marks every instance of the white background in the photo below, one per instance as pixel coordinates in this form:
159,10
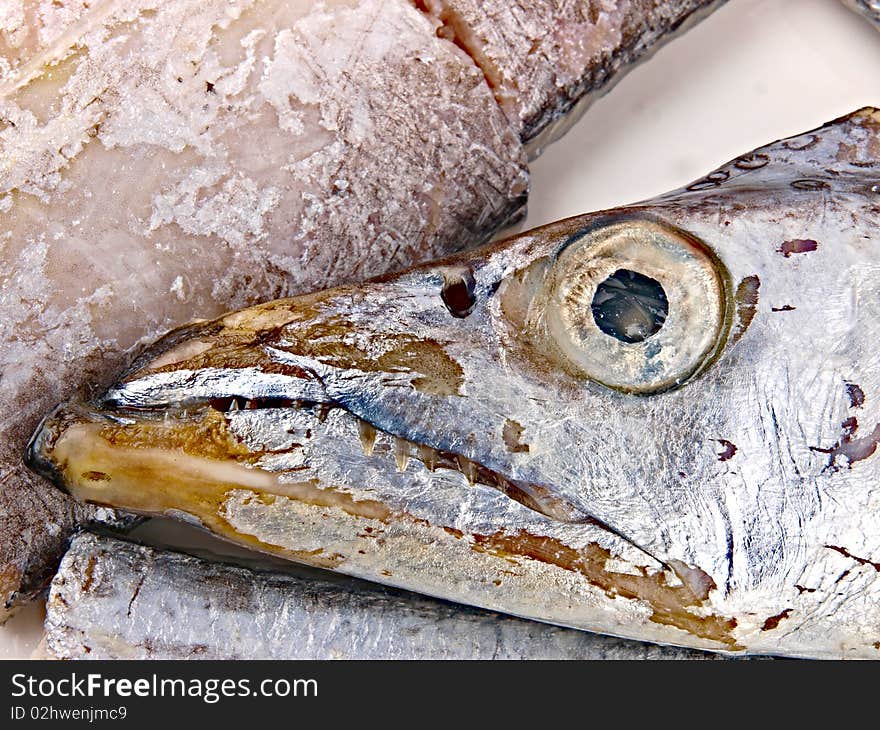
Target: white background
753,72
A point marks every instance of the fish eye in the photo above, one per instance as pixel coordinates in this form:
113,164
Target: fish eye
637,305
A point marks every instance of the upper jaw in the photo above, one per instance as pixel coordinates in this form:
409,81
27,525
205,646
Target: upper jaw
251,403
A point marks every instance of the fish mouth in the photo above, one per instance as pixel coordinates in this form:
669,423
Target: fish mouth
109,420
116,456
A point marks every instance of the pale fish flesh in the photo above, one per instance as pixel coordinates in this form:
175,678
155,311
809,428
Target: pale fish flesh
112,599
659,421
166,160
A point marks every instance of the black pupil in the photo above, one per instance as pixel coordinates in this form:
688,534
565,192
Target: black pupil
458,294
630,306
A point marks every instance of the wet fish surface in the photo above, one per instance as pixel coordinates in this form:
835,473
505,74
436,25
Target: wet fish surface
166,160
112,599
478,429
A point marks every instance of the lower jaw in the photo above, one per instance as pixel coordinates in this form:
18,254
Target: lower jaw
512,569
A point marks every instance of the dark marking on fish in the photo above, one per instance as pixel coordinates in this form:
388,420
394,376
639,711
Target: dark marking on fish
134,595
459,292
840,577
89,574
847,554
856,395
728,450
669,603
697,580
753,161
810,184
783,308
209,88
802,589
746,304
854,449
798,143
772,622
712,180
797,245
512,434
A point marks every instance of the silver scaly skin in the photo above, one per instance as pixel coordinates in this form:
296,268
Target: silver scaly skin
468,430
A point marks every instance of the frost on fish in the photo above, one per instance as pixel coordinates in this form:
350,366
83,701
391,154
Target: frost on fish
112,599
166,160
542,58
710,484
29,28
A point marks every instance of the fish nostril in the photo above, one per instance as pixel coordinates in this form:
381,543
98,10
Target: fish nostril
630,306
459,292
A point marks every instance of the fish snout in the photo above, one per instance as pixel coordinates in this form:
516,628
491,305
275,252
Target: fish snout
37,457
61,450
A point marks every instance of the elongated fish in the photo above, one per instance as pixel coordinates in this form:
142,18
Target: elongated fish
659,421
165,160
112,599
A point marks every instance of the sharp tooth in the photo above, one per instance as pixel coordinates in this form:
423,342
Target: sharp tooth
234,405
468,468
401,453
368,437
428,455
250,404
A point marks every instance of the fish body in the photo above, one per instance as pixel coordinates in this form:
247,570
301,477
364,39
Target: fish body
161,161
112,599
547,61
477,429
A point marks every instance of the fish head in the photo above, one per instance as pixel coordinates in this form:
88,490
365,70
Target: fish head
658,421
